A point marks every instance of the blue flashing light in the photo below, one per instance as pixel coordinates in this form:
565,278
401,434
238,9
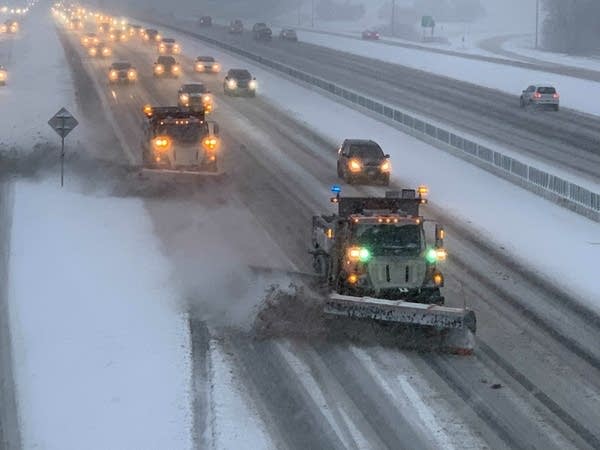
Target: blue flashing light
336,189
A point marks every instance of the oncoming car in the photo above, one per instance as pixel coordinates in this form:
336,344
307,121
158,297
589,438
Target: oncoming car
205,21
542,95
118,36
360,159
195,96
89,39
151,35
168,46
239,82
206,64
100,50
166,66
122,72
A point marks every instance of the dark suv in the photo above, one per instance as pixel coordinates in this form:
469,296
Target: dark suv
360,159
261,32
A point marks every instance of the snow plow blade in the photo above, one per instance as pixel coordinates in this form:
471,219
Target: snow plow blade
457,325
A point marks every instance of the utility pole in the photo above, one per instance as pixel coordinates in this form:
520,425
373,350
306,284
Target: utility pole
393,18
537,20
312,13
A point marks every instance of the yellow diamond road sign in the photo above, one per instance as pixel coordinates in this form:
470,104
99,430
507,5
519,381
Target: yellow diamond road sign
63,122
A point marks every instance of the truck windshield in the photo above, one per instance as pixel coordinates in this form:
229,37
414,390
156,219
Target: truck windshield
390,240
183,134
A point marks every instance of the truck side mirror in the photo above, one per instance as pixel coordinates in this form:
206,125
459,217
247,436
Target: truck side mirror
440,234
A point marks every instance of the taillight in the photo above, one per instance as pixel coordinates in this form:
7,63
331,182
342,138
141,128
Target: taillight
555,95
537,95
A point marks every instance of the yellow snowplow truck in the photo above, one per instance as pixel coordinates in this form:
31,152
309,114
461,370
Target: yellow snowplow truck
179,140
377,264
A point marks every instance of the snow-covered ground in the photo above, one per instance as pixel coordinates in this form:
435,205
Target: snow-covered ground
101,345
102,353
537,233
525,46
575,93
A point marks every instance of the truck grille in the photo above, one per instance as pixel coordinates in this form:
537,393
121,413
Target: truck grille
389,273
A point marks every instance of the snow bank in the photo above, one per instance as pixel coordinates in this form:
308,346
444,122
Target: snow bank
101,346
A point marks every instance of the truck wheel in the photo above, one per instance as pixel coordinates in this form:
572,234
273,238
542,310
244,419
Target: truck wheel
556,107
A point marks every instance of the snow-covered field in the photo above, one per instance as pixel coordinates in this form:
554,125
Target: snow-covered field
101,345
524,229
102,353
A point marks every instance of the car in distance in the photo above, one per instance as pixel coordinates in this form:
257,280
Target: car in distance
206,64
363,160
122,72
370,35
288,34
239,82
541,95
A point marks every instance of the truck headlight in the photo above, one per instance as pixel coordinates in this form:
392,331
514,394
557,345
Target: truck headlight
361,254
210,143
184,98
355,165
386,167
252,84
206,99
161,143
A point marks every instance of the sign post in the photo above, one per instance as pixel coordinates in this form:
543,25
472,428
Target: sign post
63,123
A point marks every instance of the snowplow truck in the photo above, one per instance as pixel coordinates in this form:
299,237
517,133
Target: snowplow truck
179,140
377,264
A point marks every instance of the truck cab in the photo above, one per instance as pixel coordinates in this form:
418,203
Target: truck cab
377,247
179,139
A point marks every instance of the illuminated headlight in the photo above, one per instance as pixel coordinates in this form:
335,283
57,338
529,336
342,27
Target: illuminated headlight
162,49
252,84
176,49
184,98
386,166
3,75
216,67
361,254
206,99
158,37
113,75
106,51
146,37
355,165
210,143
199,67
3,28
93,51
161,143
231,84
159,68
132,74
175,69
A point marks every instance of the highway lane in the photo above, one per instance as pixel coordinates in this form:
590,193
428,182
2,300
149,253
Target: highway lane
275,182
567,139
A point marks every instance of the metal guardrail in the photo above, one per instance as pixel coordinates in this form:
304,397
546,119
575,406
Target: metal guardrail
552,187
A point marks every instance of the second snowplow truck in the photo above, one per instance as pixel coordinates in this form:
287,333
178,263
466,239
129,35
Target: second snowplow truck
179,140
375,259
